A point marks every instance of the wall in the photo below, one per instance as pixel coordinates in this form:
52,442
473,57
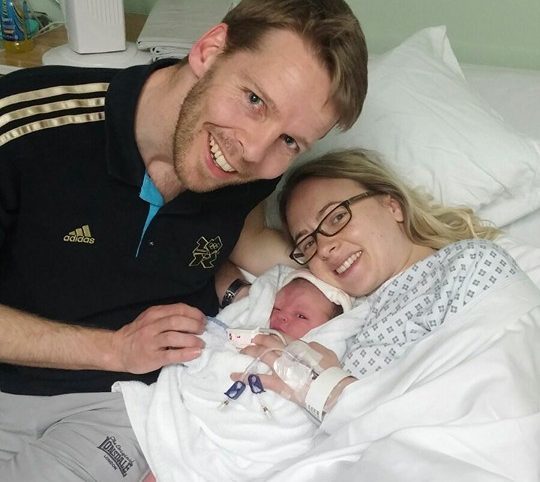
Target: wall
498,32
139,6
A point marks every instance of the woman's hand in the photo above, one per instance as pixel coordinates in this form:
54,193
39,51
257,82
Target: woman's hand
289,381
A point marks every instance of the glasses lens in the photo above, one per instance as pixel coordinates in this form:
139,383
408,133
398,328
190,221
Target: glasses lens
331,224
298,257
305,249
335,220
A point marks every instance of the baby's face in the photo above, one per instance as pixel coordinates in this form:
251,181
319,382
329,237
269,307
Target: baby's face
299,307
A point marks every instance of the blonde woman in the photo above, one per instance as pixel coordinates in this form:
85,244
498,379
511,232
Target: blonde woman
416,264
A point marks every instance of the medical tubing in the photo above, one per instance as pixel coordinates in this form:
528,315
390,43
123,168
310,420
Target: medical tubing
253,362
271,331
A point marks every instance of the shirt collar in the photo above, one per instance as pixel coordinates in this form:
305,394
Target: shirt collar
124,160
149,192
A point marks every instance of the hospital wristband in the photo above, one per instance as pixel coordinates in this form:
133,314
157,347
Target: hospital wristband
320,390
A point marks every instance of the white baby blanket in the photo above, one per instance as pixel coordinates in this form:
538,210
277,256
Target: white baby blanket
183,433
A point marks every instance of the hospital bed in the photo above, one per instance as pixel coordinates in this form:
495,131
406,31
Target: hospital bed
463,404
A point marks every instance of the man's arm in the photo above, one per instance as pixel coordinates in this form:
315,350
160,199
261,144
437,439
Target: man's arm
260,247
159,336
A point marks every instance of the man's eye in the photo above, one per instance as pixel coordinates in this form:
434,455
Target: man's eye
254,99
290,142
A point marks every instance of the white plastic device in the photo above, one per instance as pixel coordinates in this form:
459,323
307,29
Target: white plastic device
95,26
96,37
241,337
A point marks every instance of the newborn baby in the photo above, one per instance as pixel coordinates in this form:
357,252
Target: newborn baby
182,430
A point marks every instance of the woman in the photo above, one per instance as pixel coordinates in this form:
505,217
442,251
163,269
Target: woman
415,263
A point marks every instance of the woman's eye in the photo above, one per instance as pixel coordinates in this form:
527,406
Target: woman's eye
338,217
290,142
307,244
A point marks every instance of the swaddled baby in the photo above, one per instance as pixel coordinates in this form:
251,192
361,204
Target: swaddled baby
186,431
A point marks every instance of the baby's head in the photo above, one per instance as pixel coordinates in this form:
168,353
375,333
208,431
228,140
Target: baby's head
305,302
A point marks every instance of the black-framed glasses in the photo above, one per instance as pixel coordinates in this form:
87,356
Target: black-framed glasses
331,224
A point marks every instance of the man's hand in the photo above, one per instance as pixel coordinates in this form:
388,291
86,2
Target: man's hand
160,335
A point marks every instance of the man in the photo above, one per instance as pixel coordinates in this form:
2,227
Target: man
122,193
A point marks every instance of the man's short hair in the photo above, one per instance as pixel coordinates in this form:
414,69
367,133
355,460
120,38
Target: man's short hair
328,26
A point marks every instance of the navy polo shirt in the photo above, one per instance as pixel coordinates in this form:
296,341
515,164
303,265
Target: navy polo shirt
81,240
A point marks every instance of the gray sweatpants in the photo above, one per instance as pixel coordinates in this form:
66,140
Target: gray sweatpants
67,438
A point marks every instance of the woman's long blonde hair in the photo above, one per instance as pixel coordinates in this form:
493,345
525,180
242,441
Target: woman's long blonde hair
426,222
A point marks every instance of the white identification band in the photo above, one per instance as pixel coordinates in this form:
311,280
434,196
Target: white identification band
321,388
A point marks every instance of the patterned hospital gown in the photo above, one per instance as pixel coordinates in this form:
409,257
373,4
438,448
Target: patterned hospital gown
419,300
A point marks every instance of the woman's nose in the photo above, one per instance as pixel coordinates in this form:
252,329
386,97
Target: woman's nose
325,246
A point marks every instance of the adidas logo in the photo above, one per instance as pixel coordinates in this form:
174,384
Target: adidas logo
80,235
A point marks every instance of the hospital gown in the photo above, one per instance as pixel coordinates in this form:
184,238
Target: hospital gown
417,301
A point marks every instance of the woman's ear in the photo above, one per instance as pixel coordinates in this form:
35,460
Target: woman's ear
394,207
205,51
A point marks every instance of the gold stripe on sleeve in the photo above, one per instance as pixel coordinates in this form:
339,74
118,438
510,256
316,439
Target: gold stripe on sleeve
53,91
48,123
51,107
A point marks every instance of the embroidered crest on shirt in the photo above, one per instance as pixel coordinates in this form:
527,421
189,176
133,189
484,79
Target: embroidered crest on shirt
206,252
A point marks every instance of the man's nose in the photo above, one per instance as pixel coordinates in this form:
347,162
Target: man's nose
260,142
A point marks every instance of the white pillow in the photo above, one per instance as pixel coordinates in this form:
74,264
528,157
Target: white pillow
437,133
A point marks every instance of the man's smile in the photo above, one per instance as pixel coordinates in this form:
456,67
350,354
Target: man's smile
218,157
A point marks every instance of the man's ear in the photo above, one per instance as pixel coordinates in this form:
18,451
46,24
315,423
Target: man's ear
205,51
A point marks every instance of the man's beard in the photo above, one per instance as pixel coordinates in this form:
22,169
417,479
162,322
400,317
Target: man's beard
184,136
